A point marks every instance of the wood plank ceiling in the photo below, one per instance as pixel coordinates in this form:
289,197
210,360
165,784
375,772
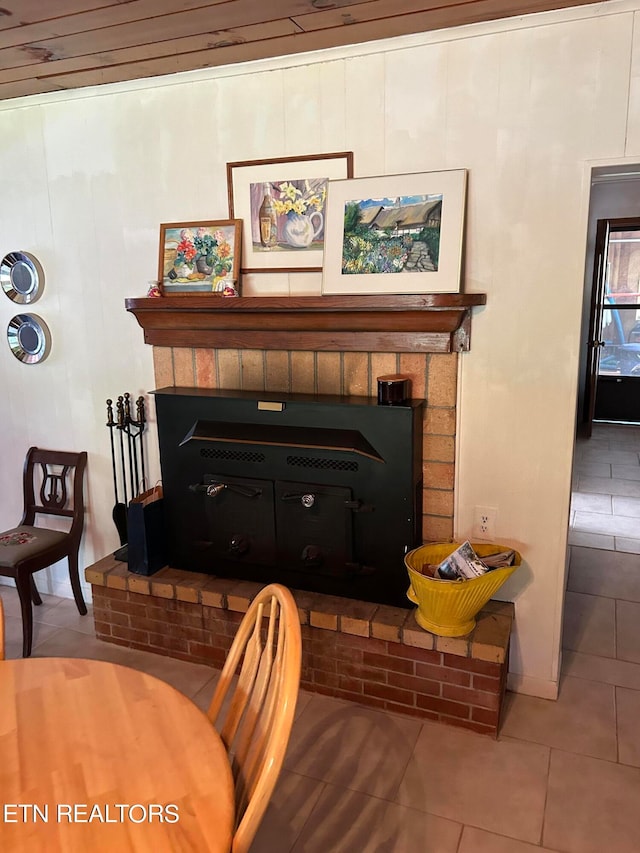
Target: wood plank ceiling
52,45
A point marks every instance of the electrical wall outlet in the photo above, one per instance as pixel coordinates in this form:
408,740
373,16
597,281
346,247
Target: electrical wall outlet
484,522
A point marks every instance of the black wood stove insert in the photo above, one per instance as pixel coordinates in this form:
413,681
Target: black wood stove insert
322,493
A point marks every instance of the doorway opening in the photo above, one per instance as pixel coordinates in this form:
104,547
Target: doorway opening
609,375
612,390
605,494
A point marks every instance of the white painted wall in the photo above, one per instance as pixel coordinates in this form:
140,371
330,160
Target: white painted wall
87,177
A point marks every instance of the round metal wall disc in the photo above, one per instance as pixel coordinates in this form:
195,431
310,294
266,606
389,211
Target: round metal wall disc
21,277
29,338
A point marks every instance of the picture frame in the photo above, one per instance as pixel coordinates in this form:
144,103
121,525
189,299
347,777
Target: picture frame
200,258
395,234
290,193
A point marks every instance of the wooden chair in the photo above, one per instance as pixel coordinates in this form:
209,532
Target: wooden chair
255,722
1,630
52,486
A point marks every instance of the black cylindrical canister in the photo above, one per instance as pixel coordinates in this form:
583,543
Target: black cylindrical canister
394,389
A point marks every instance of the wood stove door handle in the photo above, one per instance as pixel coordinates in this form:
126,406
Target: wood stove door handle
213,489
246,491
312,556
307,499
238,545
358,506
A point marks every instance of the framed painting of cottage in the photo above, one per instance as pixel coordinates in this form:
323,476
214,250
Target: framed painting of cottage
200,257
282,204
395,234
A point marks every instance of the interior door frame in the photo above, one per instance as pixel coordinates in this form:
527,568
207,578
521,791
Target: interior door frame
594,342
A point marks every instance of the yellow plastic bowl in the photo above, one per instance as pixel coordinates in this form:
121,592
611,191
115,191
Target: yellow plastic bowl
449,608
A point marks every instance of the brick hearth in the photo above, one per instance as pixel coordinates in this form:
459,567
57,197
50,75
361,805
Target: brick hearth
368,653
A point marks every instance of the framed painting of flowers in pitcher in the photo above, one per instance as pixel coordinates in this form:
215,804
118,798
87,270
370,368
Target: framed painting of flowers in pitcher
200,257
281,203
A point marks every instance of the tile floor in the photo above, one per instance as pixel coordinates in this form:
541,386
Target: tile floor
562,776
605,505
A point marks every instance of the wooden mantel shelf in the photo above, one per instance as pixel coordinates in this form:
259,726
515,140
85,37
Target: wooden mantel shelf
434,322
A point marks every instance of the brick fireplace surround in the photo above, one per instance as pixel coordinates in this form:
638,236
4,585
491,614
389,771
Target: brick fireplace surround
433,377
370,653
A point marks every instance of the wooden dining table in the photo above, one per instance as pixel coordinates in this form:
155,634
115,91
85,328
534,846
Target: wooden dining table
96,757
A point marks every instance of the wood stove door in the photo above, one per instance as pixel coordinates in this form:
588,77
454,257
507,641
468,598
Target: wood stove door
314,527
240,518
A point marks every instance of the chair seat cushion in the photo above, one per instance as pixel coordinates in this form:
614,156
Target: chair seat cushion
22,543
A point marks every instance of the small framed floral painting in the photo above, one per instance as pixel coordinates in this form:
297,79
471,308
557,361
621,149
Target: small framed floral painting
395,234
281,203
200,257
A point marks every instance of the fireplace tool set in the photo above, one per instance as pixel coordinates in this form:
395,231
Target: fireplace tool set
127,460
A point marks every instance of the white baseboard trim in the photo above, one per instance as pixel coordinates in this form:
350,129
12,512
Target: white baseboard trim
532,686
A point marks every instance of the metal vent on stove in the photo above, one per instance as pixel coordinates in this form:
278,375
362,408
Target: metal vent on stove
325,464
232,455
282,435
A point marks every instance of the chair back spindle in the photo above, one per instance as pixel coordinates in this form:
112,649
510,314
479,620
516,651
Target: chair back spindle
254,713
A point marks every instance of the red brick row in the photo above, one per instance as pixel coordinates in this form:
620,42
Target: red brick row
366,673
470,696
444,706
386,662
398,650
417,685
483,682
481,667
366,644
391,694
445,674
125,633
